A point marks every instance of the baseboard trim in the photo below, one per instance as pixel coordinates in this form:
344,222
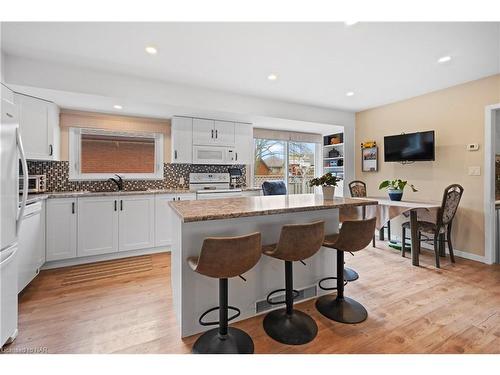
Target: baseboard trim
103,257
458,253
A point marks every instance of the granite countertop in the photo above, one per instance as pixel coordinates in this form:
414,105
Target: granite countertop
216,209
76,194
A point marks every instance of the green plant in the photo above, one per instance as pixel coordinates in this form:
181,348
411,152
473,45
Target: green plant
396,185
327,179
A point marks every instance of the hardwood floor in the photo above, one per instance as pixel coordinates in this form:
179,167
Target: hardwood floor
411,310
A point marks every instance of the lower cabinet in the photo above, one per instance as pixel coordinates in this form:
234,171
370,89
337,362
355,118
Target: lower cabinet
61,229
136,222
97,226
90,226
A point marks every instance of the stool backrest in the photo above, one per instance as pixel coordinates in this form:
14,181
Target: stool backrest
451,198
225,257
274,188
357,189
355,235
299,241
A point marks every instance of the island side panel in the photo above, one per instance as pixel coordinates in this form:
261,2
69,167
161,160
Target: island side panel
198,293
176,265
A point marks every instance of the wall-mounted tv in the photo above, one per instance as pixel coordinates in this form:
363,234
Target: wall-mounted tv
409,147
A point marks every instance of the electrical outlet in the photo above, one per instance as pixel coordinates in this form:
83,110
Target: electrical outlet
473,146
474,171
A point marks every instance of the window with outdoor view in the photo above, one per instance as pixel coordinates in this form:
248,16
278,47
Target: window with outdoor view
292,162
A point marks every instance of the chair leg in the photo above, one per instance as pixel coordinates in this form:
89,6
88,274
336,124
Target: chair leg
373,241
389,231
223,340
442,250
436,249
381,234
340,308
290,326
450,245
403,241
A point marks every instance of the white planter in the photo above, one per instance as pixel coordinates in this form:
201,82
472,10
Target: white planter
328,192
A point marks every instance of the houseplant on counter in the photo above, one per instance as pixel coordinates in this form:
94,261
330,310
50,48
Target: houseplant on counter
395,188
327,182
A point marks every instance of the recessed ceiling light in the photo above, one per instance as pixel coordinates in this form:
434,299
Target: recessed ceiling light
349,93
350,23
117,106
151,50
444,59
272,77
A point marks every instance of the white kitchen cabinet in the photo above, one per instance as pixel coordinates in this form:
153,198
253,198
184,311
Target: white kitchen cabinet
182,140
163,212
39,126
97,225
224,133
244,146
203,131
61,229
136,222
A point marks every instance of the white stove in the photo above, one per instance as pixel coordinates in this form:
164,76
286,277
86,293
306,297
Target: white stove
212,186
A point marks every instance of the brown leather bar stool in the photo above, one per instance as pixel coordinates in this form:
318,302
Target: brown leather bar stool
223,258
297,242
354,236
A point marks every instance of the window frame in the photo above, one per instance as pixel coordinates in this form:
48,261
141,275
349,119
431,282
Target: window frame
74,150
318,160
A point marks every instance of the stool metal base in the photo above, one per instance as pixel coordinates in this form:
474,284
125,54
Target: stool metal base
344,310
235,342
350,274
295,329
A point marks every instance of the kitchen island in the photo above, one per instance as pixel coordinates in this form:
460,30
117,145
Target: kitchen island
195,220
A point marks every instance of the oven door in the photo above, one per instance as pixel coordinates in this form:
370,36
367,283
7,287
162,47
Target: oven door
213,155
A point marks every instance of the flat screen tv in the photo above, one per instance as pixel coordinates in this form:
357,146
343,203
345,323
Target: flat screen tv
409,147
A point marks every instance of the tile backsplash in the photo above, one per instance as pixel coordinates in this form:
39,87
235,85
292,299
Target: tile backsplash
57,173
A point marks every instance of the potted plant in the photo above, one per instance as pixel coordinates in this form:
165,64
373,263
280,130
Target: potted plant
327,182
395,188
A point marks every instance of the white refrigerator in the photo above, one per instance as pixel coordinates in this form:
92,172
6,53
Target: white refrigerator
11,212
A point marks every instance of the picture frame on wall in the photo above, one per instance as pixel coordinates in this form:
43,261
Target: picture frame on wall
369,159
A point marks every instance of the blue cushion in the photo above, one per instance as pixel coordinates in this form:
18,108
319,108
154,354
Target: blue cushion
274,188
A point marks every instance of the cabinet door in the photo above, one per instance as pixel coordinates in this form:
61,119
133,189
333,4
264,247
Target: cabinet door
203,131
61,229
163,215
34,127
54,135
97,225
224,133
182,140
137,215
244,145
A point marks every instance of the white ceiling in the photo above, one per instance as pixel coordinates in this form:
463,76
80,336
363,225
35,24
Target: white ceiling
316,63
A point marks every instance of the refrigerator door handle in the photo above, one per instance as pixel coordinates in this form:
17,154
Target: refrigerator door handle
25,180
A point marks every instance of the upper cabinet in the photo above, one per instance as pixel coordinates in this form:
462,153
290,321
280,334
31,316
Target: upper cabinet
39,126
206,141
182,140
213,132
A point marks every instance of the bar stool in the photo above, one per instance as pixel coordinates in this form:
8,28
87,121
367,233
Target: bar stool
297,242
223,258
353,236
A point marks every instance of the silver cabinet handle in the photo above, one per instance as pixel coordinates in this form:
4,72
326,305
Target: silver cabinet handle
212,133
73,208
51,148
216,133
121,205
175,154
115,206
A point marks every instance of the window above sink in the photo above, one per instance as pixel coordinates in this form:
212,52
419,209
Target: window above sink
96,154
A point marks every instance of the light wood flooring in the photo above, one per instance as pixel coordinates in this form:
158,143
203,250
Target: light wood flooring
113,309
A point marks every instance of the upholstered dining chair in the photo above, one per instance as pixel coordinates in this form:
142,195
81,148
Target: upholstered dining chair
358,190
274,188
441,229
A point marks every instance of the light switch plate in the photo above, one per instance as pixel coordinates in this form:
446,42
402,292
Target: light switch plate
474,171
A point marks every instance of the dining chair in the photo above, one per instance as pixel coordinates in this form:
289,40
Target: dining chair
274,187
357,189
441,229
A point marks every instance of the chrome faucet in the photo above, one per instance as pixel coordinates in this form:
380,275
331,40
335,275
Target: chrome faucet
118,181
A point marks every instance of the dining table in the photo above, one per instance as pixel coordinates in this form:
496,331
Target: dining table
387,209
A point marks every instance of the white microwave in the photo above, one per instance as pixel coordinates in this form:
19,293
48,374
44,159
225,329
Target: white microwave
213,155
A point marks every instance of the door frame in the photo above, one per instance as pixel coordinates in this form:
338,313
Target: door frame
489,183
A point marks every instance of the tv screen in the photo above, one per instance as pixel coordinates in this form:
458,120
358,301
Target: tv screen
409,147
